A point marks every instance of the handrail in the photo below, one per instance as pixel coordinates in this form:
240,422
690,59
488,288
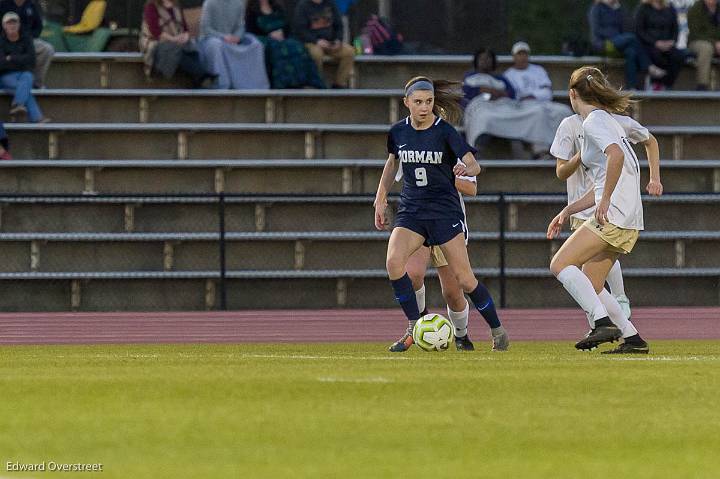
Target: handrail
302,163
222,236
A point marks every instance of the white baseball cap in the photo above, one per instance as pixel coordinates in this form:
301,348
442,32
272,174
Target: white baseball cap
520,47
9,16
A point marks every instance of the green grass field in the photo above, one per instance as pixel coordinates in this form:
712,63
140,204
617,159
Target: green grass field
541,410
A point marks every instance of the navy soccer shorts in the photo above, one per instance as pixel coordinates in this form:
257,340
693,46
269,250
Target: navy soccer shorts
435,232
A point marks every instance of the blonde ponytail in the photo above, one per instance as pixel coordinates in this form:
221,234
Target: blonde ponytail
592,87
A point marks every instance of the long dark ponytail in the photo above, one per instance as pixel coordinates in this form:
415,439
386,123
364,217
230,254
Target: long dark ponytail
447,98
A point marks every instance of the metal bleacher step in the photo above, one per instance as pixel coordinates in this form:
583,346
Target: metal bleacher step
140,167
364,106
124,70
263,140
315,235
332,274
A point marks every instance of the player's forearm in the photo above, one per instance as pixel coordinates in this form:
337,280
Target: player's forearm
472,168
614,170
467,188
565,168
653,154
386,180
587,201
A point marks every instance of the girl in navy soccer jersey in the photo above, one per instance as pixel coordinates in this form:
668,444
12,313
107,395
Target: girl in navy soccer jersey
457,306
430,213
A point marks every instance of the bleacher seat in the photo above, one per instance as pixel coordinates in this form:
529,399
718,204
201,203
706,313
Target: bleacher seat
306,164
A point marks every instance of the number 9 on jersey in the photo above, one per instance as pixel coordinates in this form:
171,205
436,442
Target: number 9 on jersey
421,177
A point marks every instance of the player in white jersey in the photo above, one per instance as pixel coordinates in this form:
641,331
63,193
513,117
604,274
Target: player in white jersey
613,168
457,306
566,150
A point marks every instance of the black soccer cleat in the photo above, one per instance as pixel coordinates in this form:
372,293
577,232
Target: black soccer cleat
598,336
464,344
630,348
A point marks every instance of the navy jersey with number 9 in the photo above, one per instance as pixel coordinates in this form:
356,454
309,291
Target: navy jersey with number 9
427,158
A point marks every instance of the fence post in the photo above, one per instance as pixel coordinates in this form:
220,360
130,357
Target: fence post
221,221
501,225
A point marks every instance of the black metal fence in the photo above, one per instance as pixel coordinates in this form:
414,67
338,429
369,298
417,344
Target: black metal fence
143,218
211,219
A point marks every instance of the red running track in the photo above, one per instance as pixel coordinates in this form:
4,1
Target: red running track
322,326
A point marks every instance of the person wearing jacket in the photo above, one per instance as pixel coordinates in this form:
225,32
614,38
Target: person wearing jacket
31,21
17,60
317,23
608,36
704,39
166,44
289,63
656,26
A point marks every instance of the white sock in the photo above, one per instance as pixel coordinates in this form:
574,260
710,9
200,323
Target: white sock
420,297
582,291
615,280
616,314
460,320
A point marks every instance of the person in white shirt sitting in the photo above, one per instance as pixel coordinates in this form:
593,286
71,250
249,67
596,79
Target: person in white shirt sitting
532,84
530,116
530,81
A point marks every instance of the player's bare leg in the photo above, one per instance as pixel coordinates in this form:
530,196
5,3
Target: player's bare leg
582,246
457,257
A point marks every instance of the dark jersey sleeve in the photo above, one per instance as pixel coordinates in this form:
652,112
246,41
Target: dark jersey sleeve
391,145
457,143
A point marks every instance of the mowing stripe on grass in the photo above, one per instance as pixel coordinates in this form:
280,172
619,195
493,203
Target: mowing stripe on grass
663,358
454,357
354,380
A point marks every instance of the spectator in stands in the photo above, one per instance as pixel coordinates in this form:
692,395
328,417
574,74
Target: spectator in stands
237,57
657,27
483,79
608,37
289,64
535,117
704,39
483,92
4,144
530,81
318,24
31,21
166,44
16,65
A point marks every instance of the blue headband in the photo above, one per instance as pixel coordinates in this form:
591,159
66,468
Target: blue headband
419,85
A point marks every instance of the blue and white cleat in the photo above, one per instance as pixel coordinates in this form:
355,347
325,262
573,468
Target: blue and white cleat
402,344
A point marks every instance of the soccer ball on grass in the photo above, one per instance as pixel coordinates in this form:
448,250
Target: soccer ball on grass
433,332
